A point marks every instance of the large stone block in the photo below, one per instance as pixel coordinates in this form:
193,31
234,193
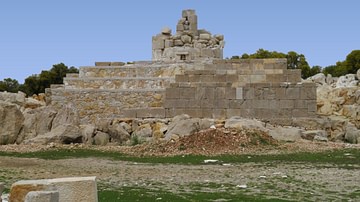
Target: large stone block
292,93
187,93
70,189
172,93
42,196
158,112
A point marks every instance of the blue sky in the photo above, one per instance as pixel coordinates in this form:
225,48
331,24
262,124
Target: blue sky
36,34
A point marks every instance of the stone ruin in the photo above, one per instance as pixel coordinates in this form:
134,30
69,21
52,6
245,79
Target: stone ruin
188,43
186,76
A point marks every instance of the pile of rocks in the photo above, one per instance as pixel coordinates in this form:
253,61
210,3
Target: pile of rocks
188,43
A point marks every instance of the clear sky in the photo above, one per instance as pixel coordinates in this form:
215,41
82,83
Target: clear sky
36,34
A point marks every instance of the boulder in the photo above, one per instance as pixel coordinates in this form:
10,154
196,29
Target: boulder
346,81
14,98
205,36
88,132
319,135
101,138
63,134
358,74
31,103
182,126
166,31
144,131
352,134
186,39
243,123
118,133
67,115
44,119
11,120
287,134
319,78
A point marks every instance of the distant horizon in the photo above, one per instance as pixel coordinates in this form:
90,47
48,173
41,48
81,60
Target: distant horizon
36,36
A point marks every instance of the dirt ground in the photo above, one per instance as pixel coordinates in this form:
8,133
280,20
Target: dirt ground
289,180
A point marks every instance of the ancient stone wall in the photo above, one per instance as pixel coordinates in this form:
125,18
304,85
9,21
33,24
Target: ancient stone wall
260,88
187,75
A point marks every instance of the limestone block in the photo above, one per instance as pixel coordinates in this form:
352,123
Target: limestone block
102,63
42,196
188,12
169,43
292,93
179,28
178,42
257,78
205,36
158,43
70,189
156,112
219,37
239,93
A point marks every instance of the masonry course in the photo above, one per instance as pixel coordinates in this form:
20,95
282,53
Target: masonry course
181,81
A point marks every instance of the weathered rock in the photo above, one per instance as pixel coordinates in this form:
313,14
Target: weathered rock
44,119
181,126
88,133
14,98
67,115
319,78
101,138
158,130
166,31
358,74
243,123
63,134
70,189
352,134
329,79
320,135
186,39
311,123
118,133
143,131
31,103
11,120
42,196
205,36
287,134
346,81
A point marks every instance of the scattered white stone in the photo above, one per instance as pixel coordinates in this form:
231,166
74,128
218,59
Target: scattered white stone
212,127
284,176
211,161
226,164
158,199
347,154
242,186
262,176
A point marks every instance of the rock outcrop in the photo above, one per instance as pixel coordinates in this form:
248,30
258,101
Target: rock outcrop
11,121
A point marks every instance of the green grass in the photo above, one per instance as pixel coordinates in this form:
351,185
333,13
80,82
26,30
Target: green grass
347,158
144,194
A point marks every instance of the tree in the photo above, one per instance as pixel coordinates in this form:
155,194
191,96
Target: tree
336,70
9,85
352,62
36,84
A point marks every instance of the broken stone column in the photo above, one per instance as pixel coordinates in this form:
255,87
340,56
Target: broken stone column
42,196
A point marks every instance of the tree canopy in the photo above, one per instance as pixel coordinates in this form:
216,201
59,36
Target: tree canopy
37,83
294,60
